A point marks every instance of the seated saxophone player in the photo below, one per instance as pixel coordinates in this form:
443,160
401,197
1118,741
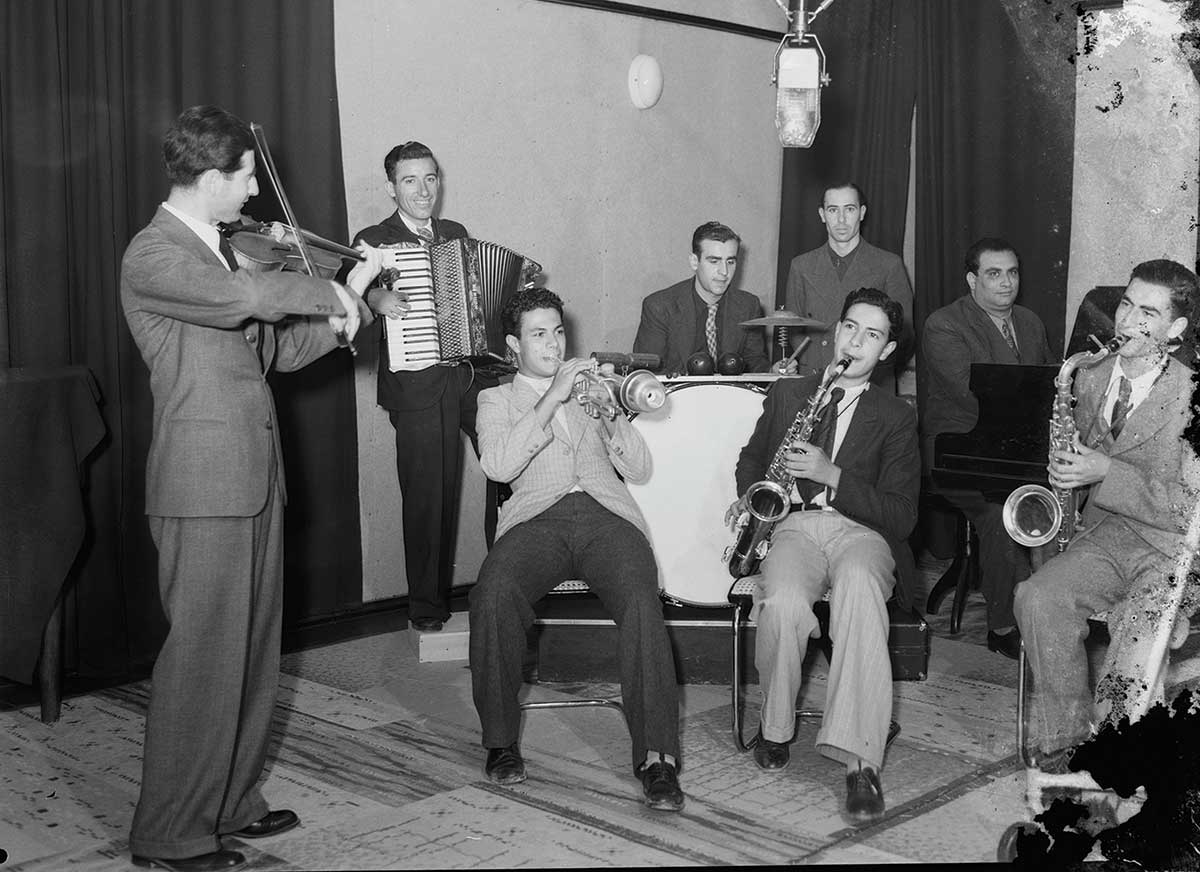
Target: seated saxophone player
983,326
1141,481
853,505
570,516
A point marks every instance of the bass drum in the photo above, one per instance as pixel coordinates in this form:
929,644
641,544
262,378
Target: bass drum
694,442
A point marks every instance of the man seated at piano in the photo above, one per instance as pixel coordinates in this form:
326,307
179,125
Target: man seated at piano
570,516
1140,479
854,498
984,325
703,313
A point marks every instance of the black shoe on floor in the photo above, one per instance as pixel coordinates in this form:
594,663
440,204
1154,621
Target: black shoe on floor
217,860
1008,644
427,625
504,765
660,784
271,824
864,796
768,754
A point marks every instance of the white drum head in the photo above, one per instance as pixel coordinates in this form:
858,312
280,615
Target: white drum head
694,442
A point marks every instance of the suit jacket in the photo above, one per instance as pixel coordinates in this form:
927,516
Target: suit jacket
668,327
814,289
543,464
879,458
1154,477
954,337
420,389
197,326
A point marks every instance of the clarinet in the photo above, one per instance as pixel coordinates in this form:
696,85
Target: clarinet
768,501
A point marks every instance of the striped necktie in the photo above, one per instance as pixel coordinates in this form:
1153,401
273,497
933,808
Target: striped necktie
1121,407
1006,331
710,330
426,235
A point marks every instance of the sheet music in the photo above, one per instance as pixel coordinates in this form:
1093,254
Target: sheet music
412,341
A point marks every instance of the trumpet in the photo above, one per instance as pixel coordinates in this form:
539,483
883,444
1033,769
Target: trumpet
607,395
1033,514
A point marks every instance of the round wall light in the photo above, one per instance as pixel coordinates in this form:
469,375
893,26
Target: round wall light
645,81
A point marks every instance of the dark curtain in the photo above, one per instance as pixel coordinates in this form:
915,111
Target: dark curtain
995,145
86,92
866,123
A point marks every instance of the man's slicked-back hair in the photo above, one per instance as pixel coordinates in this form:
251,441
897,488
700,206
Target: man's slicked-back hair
988,243
714,230
1181,285
877,298
526,301
204,138
837,185
411,150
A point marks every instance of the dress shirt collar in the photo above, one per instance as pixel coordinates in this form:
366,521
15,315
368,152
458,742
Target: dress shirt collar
414,226
208,233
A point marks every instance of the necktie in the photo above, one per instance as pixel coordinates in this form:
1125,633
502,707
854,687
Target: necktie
1006,330
823,436
710,330
227,252
1121,407
426,234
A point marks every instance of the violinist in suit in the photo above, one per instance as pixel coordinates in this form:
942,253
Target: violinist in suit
209,333
1141,479
428,403
983,326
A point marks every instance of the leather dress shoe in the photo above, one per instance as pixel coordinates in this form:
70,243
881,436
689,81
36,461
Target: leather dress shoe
224,860
271,824
770,755
427,625
504,765
864,796
1008,644
660,785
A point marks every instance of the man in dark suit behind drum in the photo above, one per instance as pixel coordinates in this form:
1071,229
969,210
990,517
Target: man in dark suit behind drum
705,312
854,502
427,403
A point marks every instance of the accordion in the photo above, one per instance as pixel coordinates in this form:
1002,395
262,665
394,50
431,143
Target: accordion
456,290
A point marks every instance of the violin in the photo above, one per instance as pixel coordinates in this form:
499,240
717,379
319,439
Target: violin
299,240
271,246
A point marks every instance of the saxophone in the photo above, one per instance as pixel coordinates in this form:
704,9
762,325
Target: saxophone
768,501
1034,514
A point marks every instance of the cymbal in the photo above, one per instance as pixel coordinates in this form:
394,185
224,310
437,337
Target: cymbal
784,318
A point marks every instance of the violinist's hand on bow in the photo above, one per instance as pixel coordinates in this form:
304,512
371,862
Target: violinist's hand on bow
735,511
1083,466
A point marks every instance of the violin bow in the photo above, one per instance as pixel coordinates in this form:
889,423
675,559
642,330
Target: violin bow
260,141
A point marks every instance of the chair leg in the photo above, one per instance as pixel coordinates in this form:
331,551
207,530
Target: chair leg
735,690
1022,690
965,581
575,703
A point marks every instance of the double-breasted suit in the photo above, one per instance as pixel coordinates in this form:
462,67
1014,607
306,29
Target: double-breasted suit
428,408
1131,531
668,327
214,494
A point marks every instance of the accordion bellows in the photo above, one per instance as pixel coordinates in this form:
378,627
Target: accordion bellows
456,290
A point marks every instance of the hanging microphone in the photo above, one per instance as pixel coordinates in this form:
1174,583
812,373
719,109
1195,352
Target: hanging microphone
628,361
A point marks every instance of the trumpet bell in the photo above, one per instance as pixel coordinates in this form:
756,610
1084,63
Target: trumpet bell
640,391
1032,515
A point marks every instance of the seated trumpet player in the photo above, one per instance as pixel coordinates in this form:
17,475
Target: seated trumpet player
570,516
1140,478
853,487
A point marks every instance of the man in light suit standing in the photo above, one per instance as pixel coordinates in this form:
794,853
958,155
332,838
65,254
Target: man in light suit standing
209,332
1142,479
819,280
570,516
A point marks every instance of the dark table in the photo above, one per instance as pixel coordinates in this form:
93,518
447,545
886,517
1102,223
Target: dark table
49,424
